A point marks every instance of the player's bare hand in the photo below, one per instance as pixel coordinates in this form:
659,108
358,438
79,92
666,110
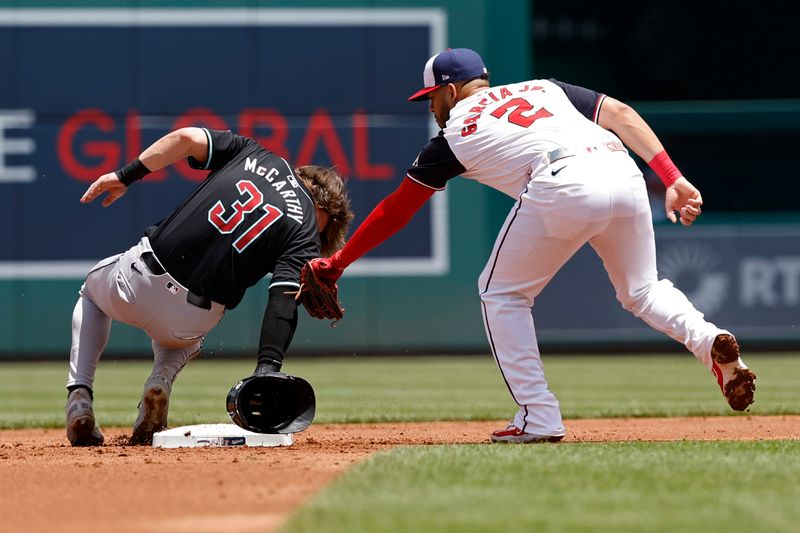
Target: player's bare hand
107,183
684,198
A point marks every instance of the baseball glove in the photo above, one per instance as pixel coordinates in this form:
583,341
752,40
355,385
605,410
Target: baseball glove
272,402
319,295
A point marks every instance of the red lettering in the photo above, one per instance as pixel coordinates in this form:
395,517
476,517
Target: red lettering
320,135
518,107
260,226
362,167
470,120
108,151
321,129
504,92
133,144
469,130
250,119
216,215
494,97
196,117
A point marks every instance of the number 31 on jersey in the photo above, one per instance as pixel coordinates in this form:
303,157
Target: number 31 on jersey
254,200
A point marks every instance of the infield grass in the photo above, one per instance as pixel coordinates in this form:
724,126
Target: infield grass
634,486
385,389
649,487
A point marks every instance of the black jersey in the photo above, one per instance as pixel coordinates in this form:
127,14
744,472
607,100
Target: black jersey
251,216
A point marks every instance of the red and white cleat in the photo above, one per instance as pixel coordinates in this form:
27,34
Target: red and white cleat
513,435
737,382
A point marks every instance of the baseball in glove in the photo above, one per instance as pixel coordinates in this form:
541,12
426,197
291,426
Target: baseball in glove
319,295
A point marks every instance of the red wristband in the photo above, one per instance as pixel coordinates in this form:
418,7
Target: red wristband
664,168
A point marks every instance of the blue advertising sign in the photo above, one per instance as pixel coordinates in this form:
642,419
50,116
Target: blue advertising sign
745,278
84,91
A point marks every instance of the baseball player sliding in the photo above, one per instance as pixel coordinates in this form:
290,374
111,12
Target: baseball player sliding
560,151
253,215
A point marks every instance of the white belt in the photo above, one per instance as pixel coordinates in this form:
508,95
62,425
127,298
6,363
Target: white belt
572,151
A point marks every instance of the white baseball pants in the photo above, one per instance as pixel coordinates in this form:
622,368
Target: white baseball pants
122,288
599,198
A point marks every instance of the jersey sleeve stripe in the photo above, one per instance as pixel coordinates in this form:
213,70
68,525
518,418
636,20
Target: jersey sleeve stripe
210,148
600,99
409,176
284,283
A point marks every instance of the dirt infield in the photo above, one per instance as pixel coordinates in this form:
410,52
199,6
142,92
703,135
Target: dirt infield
49,486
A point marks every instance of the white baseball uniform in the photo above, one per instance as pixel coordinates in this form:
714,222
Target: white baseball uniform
574,182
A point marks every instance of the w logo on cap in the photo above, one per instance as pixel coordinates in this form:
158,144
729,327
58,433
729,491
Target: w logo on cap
450,66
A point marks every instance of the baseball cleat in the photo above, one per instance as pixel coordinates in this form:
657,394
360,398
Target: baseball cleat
81,428
153,410
513,435
737,382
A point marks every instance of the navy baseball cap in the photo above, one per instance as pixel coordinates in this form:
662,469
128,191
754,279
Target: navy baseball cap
451,66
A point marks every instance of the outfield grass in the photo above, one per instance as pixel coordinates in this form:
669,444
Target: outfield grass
365,389
652,487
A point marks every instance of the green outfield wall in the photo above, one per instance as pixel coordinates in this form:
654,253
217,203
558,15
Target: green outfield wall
741,267
419,313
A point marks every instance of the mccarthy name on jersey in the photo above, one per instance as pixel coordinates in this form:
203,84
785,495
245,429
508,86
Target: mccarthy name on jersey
294,209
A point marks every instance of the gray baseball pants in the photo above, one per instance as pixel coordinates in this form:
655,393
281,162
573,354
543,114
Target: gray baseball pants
122,288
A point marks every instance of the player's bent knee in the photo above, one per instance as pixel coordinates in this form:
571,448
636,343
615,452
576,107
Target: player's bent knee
637,300
506,300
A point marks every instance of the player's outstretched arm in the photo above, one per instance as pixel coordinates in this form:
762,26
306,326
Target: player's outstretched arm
172,147
388,217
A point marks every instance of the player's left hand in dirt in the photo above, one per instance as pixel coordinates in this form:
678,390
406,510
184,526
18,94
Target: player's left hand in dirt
108,183
684,198
319,294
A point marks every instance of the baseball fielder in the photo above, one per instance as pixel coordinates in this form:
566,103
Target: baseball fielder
550,146
253,215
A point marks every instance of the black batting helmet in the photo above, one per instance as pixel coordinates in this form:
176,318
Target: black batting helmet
272,403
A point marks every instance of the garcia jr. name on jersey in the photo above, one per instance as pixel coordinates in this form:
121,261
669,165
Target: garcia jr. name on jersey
519,106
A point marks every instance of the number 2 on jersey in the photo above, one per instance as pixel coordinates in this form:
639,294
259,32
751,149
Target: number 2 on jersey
517,116
240,209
